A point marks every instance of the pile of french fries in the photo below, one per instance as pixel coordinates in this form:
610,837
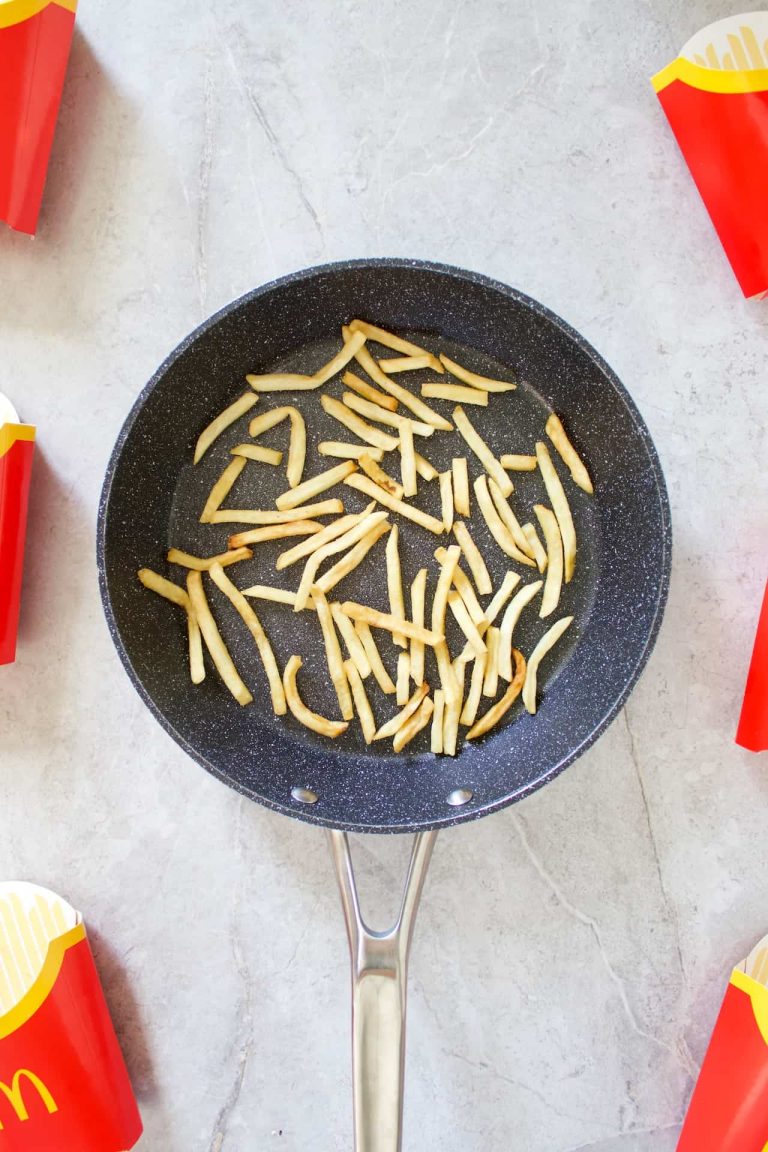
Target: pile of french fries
386,418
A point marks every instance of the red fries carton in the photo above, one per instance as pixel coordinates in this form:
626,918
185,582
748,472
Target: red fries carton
715,96
753,725
35,37
729,1108
63,1083
17,443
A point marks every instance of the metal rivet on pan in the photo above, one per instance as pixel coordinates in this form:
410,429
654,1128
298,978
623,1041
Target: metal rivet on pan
458,797
304,795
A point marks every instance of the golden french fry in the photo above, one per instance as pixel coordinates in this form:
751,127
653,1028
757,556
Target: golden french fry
510,521
381,676
178,596
560,507
253,624
396,343
165,588
403,678
350,380
276,595
304,715
348,451
362,706
282,382
353,422
405,363
270,516
482,451
448,680
365,485
406,398
497,710
268,420
446,499
357,531
476,381
536,547
384,416
547,642
333,656
412,727
424,468
503,593
203,563
407,460
222,421
491,681
418,596
222,488
509,623
554,578
451,715
196,661
256,452
274,532
379,476
395,724
353,558
330,532
341,359
354,646
436,736
472,555
395,582
568,454
219,654
297,445
463,586
317,484
460,485
376,619
496,525
455,392
444,581
472,702
518,463
465,622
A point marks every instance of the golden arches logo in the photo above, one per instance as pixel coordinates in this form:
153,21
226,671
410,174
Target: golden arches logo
15,1096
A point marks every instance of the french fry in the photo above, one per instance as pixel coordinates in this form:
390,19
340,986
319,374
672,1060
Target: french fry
451,715
203,563
311,720
274,532
256,452
223,421
348,563
568,454
276,595
436,736
330,532
221,489
446,500
421,410
460,485
350,380
560,507
375,619
407,460
509,623
297,445
317,484
406,363
282,382
518,463
464,620
384,416
352,535
418,597
537,548
424,468
503,593
196,661
472,702
333,656
547,642
177,595
403,679
165,588
496,525
395,582
219,654
396,343
359,427
380,477
444,581
412,727
463,586
476,381
365,485
348,451
482,451
381,676
510,521
455,392
270,516
253,624
362,705
472,555
491,681
497,710
554,578
341,359
395,724
448,680
353,644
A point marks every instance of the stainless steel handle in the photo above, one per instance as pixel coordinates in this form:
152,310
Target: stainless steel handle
379,986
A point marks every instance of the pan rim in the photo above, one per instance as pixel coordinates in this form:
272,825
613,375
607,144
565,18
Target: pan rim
455,816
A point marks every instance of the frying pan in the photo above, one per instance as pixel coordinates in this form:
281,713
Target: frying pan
152,498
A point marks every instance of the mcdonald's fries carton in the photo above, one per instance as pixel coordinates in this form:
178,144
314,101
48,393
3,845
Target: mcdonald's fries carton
752,732
16,447
63,1083
35,37
715,96
729,1108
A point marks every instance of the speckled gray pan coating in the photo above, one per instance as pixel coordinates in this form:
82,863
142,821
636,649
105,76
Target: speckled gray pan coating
152,498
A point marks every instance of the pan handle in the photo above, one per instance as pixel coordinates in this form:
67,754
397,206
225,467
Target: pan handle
379,980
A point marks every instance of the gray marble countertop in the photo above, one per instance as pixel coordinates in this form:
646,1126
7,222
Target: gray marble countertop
571,952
